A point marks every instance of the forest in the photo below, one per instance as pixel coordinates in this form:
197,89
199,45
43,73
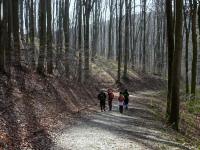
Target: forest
56,56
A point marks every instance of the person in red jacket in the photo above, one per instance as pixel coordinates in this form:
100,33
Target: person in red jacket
110,98
121,102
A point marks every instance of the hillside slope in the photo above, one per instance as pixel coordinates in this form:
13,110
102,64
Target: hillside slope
28,119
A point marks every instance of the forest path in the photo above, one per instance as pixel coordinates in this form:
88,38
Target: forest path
136,129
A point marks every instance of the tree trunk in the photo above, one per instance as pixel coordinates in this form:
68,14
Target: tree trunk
42,31
3,29
88,8
144,38
95,29
17,52
110,30
187,35
66,30
32,34
126,38
170,43
193,7
120,41
22,20
49,39
176,72
80,41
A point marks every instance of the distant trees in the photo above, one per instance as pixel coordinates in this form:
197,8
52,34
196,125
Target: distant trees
71,40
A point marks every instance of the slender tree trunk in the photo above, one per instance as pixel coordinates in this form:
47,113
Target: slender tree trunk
66,30
3,30
126,38
193,7
9,20
42,31
88,8
176,72
17,52
170,43
95,29
144,38
26,20
22,20
32,34
116,31
80,41
49,39
187,23
134,41
120,41
110,30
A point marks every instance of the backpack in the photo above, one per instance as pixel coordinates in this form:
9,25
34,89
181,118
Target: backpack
102,96
121,98
111,96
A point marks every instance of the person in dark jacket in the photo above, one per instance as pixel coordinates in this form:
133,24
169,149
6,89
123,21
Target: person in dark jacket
126,98
102,99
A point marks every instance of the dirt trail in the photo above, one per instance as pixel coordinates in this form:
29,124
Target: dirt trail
136,129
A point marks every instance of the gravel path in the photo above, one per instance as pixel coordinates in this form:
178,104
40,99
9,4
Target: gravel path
136,129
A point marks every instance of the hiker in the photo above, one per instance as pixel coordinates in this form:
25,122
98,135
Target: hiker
110,98
121,102
102,99
126,98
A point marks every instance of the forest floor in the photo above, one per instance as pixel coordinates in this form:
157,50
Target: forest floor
137,128
54,113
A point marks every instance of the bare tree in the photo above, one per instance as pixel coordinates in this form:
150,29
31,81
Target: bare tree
126,37
193,7
49,39
120,41
42,31
66,30
170,43
176,71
